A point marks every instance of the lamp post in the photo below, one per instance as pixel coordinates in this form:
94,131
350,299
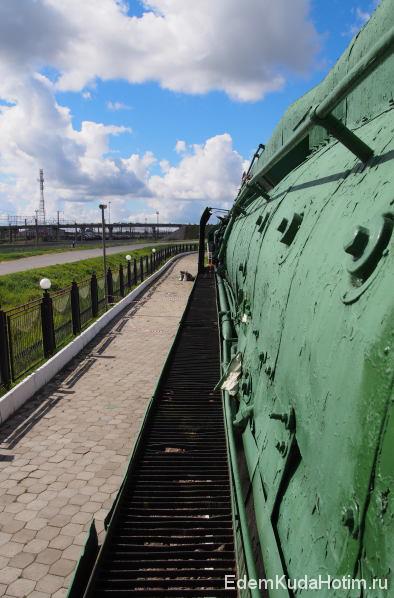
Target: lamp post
157,230
128,258
154,257
48,332
103,207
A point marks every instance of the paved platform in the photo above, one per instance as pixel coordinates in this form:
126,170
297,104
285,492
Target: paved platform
63,455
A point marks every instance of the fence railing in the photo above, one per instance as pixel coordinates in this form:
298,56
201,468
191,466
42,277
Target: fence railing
32,332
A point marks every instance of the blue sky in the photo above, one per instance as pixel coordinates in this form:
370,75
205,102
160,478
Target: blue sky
159,117
214,114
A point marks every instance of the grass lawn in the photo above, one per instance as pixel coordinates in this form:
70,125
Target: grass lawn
21,287
18,251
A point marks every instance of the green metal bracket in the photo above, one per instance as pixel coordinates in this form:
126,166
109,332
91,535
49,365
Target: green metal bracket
344,135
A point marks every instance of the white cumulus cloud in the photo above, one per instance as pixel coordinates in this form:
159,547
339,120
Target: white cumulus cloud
209,174
242,48
36,132
180,146
115,106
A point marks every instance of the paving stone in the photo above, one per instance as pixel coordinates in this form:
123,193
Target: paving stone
38,504
36,546
10,549
38,523
70,510
60,520
9,483
35,571
85,475
48,512
16,491
12,526
50,584
61,542
72,529
81,518
49,556
90,507
73,552
62,567
9,574
21,588
26,515
79,499
15,507
4,561
4,538
22,560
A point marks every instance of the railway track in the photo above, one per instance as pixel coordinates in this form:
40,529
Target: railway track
171,530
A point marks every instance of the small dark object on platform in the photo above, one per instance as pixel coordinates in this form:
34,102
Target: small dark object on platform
183,275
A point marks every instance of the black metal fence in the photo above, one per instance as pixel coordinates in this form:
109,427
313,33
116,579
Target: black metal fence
32,332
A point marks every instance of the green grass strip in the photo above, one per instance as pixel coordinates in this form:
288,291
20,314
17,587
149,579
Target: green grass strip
21,287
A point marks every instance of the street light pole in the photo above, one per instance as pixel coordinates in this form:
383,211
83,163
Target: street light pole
157,230
102,208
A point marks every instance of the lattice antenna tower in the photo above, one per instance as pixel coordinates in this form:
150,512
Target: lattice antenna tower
41,208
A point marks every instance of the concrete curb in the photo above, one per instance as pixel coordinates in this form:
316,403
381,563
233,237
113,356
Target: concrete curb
23,391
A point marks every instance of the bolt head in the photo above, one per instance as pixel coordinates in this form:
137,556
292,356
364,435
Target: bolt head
357,243
348,518
283,225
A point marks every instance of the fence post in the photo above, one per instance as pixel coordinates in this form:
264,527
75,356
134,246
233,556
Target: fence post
48,330
135,271
4,352
129,274
121,280
151,263
110,286
94,294
141,269
147,264
76,315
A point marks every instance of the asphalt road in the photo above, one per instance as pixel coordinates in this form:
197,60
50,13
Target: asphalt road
50,259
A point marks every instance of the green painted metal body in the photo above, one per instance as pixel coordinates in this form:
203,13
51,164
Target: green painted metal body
307,270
